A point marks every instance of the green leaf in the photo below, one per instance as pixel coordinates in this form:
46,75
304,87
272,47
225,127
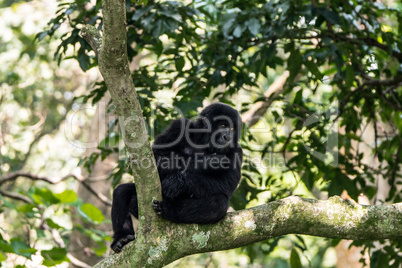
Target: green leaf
308,179
6,203
5,246
68,196
142,2
298,97
40,233
138,13
158,47
157,29
54,256
254,26
92,212
172,14
42,35
101,250
294,64
21,248
350,76
110,141
228,22
2,257
330,15
179,63
398,120
239,29
83,60
312,67
26,208
295,259
52,224
44,196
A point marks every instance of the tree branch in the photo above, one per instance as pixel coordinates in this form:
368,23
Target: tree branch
366,40
253,115
333,218
93,37
16,196
15,175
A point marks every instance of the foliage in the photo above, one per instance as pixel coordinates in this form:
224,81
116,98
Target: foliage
339,112
35,100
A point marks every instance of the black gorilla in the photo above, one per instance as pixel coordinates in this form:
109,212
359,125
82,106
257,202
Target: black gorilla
199,165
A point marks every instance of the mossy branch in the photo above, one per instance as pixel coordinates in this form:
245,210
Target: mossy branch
93,37
333,218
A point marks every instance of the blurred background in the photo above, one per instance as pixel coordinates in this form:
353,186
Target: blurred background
318,84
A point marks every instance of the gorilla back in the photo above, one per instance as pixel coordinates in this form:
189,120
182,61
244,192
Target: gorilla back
199,165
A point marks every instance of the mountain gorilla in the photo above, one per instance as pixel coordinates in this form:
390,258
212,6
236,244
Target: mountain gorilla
199,165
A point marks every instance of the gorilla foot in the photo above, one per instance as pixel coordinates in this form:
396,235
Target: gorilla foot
118,244
157,206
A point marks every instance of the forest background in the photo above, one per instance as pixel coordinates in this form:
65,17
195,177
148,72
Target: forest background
318,85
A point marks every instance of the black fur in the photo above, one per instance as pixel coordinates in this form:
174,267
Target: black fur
199,167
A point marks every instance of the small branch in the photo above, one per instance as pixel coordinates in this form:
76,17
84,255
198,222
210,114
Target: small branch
16,196
253,115
396,168
15,175
93,37
284,153
100,196
47,129
377,82
77,262
366,40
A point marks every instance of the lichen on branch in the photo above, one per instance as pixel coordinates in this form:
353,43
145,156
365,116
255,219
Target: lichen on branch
332,218
93,37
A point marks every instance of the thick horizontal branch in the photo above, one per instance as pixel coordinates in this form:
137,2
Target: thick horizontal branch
334,218
15,175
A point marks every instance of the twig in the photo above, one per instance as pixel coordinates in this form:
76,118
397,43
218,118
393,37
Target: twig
284,153
15,175
253,115
397,161
16,196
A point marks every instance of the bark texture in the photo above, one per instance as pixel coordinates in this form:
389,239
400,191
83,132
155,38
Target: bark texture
333,218
111,49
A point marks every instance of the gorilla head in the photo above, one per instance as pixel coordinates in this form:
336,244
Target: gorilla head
217,129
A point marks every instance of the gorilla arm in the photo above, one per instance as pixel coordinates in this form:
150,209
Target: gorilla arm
174,185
